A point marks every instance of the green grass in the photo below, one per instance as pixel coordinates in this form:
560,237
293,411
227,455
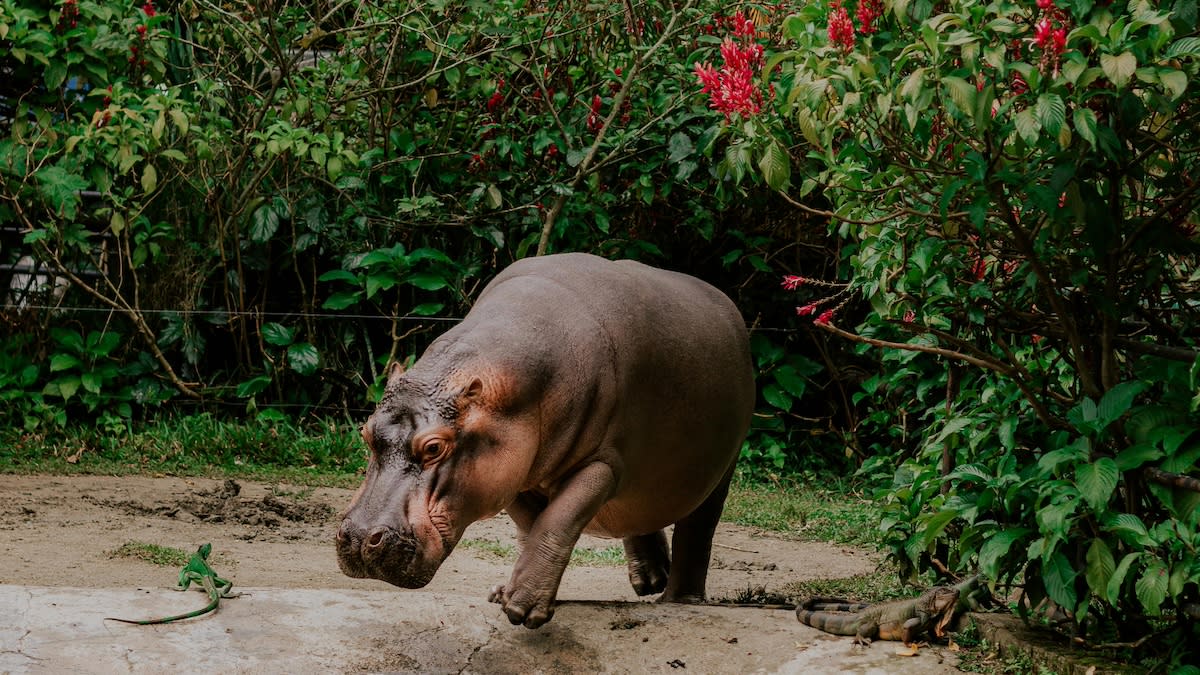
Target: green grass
875,587
611,556
324,453
151,553
804,511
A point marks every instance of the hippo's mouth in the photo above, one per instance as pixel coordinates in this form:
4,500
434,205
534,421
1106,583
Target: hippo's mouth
385,554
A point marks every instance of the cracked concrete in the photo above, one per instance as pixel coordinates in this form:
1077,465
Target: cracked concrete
275,630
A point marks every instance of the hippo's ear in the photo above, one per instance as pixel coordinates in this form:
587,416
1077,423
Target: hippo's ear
395,370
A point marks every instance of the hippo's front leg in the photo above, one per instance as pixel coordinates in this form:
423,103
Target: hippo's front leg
529,596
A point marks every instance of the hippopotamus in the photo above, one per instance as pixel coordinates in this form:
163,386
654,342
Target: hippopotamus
579,395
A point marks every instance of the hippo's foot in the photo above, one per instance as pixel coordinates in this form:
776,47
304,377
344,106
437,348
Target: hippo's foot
525,609
649,562
682,598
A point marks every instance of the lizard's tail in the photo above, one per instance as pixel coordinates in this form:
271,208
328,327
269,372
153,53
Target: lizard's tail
168,619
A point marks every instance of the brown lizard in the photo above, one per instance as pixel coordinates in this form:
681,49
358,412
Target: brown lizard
904,620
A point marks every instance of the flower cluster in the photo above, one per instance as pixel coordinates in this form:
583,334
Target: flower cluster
841,293
841,29
497,97
1050,35
594,121
69,17
868,11
148,9
732,88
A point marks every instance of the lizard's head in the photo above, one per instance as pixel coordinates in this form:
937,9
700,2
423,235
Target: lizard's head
940,601
204,550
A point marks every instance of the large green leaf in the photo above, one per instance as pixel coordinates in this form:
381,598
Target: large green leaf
1051,112
1100,566
303,358
1113,592
1028,126
996,547
680,147
1119,68
1117,401
1151,588
60,189
1059,577
278,334
776,166
1096,481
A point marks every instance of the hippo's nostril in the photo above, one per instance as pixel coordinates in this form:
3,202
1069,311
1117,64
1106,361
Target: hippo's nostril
343,533
377,537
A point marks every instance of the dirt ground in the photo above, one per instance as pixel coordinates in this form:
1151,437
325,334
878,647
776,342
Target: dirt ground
62,531
58,535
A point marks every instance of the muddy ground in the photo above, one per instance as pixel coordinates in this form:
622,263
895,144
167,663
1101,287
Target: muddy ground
62,531
276,540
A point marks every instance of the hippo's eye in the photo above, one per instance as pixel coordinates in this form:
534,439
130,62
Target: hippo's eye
431,451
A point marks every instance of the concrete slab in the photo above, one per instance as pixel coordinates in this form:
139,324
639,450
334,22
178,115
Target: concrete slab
276,630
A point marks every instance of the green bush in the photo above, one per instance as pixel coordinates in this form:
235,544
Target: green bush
1016,187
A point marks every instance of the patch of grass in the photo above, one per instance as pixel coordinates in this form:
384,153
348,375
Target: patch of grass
871,588
842,516
612,556
603,557
490,547
151,553
320,453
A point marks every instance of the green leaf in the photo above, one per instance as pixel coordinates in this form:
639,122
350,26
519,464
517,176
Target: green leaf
790,380
67,386
1085,125
1059,578
342,300
60,189
1051,112
996,547
427,309
1117,401
776,166
1028,126
775,396
91,382
278,334
679,147
1097,481
61,361
1129,528
1119,69
1136,455
1100,566
427,281
1174,81
303,358
339,275
149,178
1151,588
253,386
1188,46
1113,592
264,222
962,93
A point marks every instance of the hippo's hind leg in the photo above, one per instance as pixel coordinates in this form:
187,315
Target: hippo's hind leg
649,561
691,547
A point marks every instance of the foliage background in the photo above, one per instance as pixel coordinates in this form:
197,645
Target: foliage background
252,208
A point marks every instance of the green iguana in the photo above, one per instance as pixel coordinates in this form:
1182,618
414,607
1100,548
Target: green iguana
196,571
904,620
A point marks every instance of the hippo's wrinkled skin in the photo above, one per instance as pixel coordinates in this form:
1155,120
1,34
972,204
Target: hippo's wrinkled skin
580,395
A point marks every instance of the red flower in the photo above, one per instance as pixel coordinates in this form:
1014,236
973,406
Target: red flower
806,310
732,88
868,11
141,30
910,316
1045,4
825,318
841,29
593,121
617,71
791,282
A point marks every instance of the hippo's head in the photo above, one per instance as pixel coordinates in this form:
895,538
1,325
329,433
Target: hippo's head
437,462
